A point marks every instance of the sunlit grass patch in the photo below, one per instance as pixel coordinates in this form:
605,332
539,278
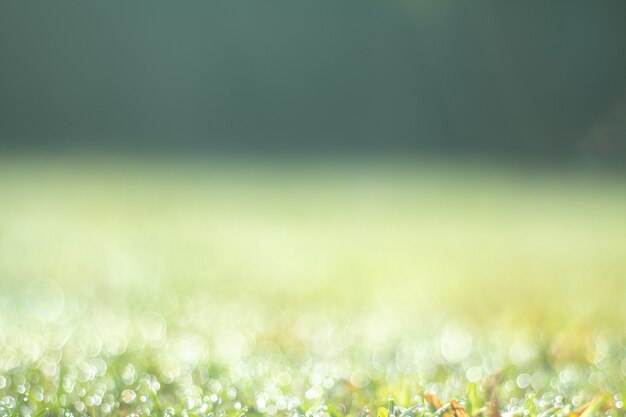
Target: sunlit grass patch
207,290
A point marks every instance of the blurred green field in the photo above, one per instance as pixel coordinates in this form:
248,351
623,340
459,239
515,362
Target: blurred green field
209,288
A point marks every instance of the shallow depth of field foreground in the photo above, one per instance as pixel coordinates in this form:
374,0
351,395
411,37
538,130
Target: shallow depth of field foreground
146,288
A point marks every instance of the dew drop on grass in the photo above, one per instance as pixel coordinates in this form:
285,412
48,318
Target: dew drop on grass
523,380
360,378
455,343
260,405
79,406
281,404
8,402
189,402
474,374
128,396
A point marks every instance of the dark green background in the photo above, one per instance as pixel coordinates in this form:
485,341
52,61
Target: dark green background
532,79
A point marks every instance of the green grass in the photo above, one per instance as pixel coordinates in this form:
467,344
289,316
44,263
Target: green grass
206,289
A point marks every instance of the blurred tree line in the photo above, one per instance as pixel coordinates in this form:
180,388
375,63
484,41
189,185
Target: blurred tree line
529,79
